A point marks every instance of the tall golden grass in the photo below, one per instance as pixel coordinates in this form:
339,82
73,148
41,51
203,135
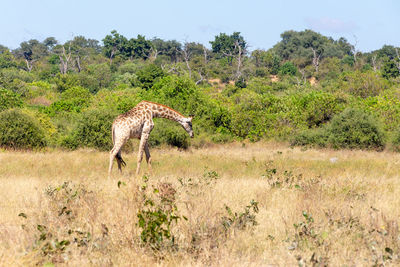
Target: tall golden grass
316,207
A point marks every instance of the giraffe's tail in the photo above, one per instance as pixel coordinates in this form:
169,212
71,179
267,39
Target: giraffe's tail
120,160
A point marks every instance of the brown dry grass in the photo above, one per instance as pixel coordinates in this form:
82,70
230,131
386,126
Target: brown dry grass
345,205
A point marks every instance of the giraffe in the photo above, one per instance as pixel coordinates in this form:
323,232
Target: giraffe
138,123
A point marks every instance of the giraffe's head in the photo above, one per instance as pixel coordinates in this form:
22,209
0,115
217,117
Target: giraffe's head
187,125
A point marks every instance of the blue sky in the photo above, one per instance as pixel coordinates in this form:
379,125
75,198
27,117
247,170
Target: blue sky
368,24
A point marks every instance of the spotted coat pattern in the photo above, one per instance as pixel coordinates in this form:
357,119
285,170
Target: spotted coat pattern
138,123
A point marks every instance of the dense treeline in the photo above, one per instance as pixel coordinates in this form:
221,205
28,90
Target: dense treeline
308,89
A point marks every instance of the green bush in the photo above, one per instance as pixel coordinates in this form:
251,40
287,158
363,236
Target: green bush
93,129
74,99
310,137
170,133
314,108
9,99
363,84
148,76
20,131
395,142
288,68
96,77
65,81
117,101
354,128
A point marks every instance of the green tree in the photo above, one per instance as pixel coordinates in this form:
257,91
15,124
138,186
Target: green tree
115,44
171,49
31,51
228,45
6,58
140,47
390,69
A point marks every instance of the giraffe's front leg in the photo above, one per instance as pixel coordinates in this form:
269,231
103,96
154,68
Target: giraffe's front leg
143,142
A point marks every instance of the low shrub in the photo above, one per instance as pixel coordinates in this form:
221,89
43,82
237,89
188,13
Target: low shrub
18,130
354,128
170,133
93,129
310,137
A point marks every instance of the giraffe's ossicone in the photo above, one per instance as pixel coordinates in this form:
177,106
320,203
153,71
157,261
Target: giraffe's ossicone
138,123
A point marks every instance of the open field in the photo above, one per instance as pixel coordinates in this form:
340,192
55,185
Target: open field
315,207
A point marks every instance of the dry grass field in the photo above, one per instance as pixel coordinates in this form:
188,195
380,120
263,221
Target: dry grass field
261,204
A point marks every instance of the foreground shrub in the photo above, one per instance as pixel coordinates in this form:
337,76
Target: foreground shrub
63,227
157,215
20,131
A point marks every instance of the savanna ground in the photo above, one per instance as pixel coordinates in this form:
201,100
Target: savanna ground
234,205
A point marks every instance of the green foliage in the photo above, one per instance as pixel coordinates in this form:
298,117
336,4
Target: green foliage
386,107
166,132
18,130
53,241
93,129
255,116
310,137
315,108
390,69
363,84
7,59
288,68
118,101
96,77
228,45
157,215
349,60
353,129
295,45
41,89
395,140
148,76
243,219
65,81
179,93
74,99
9,99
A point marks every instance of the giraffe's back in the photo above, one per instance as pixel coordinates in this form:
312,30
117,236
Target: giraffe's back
130,124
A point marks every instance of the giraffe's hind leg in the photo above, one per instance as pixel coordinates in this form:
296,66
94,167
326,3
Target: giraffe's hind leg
116,153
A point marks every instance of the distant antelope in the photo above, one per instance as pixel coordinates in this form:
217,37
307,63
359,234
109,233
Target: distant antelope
138,123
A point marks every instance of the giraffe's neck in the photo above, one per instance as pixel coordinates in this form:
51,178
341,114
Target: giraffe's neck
161,111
